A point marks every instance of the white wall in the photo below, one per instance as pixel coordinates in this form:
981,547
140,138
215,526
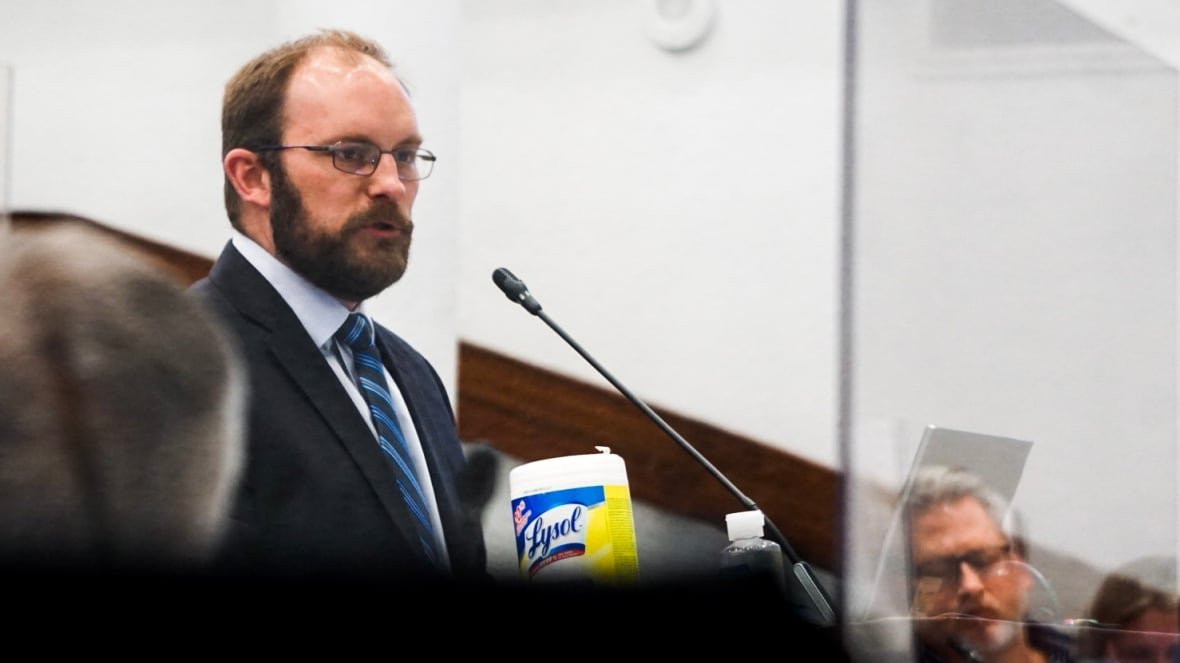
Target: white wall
116,116
677,214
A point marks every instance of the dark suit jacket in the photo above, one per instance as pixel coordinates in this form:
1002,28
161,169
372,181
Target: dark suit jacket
316,495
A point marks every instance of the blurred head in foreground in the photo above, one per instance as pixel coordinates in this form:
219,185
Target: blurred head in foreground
120,408
1136,610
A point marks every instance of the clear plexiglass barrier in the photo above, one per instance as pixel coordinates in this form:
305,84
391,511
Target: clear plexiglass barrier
5,141
1010,320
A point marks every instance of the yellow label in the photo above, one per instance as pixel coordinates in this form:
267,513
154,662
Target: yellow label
585,533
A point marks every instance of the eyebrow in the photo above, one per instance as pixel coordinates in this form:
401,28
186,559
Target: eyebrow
414,140
963,556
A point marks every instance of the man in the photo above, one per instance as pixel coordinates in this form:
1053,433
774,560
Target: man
121,417
323,160
970,585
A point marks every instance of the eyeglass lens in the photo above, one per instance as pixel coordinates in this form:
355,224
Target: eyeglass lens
982,561
363,158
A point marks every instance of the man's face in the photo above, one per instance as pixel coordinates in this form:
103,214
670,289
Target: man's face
347,234
968,584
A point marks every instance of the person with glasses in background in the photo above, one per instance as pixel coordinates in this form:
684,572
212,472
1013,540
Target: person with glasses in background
970,586
354,467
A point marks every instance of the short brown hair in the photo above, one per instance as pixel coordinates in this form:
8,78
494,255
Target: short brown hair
252,108
1147,583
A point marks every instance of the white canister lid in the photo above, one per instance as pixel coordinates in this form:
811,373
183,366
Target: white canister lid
598,469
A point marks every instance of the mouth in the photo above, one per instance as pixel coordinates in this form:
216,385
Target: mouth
967,615
386,230
383,229
383,223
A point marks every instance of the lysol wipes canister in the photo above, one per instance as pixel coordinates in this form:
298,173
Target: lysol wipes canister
572,519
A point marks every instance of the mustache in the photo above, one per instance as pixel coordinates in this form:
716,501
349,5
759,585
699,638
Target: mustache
381,213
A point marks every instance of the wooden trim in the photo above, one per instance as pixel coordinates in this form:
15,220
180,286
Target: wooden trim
531,413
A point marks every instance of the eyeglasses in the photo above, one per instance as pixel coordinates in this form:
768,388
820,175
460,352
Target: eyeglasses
945,573
361,158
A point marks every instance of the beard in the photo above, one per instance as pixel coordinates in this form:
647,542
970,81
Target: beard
997,636
981,635
346,264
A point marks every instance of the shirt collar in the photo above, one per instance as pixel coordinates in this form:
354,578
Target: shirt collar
320,313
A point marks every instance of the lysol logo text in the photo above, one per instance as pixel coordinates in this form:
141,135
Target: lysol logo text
556,530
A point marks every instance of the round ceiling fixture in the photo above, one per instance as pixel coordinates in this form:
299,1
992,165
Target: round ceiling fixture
680,25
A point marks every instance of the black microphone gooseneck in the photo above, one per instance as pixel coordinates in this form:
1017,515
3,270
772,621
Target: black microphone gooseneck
518,292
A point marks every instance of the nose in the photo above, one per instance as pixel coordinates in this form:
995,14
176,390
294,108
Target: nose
970,581
385,182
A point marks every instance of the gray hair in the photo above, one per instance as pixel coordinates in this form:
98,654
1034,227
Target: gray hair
938,484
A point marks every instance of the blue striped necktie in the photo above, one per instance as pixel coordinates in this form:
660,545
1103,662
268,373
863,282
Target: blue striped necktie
357,334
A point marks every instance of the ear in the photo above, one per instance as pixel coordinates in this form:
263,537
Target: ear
244,170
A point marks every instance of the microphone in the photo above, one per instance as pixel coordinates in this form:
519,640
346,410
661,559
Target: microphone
821,603
515,290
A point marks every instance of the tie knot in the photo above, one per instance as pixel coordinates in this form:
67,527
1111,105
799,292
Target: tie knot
355,332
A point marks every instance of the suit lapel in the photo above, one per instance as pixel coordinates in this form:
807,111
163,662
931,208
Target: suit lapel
298,355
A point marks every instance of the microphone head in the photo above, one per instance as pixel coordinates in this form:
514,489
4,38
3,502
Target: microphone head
507,282
515,290
501,275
